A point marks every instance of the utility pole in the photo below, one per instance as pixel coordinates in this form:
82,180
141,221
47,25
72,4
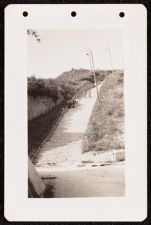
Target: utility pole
109,51
90,54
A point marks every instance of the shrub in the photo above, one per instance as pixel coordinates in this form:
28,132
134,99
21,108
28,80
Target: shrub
42,87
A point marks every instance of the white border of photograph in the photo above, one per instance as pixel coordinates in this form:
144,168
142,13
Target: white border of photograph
131,207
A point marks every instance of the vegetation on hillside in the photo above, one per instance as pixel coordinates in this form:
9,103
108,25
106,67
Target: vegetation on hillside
67,84
42,87
71,81
106,126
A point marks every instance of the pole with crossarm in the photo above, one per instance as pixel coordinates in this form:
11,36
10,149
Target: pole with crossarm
90,54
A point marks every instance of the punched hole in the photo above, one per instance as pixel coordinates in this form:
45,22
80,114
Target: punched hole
25,14
121,14
73,14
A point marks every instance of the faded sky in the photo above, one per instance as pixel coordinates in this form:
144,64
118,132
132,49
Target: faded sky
62,50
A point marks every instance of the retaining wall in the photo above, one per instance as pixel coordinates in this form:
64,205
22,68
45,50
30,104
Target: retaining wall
40,105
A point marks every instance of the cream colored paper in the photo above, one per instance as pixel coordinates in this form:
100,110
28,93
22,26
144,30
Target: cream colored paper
132,207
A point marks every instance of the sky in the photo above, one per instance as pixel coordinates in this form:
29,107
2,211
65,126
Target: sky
62,50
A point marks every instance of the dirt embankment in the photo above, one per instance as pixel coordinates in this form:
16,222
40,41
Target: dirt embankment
105,130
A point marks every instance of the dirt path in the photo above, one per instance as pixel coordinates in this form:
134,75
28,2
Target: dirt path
64,147
85,182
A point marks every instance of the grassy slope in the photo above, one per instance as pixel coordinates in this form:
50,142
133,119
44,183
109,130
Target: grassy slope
71,81
106,126
78,76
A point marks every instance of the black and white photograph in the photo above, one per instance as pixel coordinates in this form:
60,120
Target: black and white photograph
75,92
75,112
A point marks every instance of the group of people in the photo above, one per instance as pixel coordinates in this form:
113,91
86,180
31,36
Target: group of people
72,103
